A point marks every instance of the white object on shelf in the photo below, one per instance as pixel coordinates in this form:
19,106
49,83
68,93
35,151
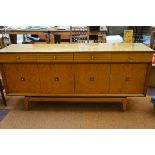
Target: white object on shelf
114,39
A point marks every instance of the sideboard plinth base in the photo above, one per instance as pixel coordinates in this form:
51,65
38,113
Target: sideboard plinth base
122,100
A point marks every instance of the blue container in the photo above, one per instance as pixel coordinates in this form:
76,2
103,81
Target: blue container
153,100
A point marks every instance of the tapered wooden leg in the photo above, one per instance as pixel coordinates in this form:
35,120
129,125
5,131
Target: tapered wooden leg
124,104
26,103
3,98
154,106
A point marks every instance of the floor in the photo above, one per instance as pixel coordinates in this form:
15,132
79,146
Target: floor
139,114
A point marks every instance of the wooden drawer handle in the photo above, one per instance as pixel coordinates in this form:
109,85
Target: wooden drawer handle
54,57
127,79
56,78
92,57
22,78
92,79
131,58
18,57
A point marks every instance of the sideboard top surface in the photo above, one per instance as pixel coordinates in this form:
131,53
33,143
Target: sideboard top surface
89,47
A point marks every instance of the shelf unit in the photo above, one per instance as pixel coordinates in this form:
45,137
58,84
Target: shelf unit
79,34
152,40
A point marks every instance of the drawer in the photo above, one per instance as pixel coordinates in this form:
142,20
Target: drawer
8,58
55,57
94,57
132,57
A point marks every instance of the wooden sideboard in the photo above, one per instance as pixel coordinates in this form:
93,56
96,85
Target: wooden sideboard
76,72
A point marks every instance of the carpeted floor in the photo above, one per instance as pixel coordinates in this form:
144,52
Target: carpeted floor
140,114
3,113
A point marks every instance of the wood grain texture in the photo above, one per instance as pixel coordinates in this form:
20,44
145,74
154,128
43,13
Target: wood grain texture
56,78
22,78
55,57
82,71
128,78
136,57
106,100
92,78
17,58
91,47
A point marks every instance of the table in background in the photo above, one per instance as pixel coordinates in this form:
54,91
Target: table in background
49,33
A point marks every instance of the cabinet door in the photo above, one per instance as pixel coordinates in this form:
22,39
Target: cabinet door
56,78
128,78
92,78
22,78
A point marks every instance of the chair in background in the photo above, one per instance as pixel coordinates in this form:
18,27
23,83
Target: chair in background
2,93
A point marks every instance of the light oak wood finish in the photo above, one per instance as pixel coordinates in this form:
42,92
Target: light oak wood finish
55,57
56,78
77,72
92,57
123,101
132,48
92,78
136,57
124,104
18,58
22,78
128,78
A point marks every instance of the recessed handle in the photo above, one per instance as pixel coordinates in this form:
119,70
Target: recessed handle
130,58
22,78
92,79
127,79
92,57
18,57
56,78
54,57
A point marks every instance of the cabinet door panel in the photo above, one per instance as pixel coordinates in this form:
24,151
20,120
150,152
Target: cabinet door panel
22,78
92,78
127,78
56,78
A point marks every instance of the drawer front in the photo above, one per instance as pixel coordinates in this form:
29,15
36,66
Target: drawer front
22,78
94,57
8,58
92,78
56,78
55,57
131,57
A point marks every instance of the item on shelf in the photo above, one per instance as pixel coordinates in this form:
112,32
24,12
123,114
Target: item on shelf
114,39
128,36
79,34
